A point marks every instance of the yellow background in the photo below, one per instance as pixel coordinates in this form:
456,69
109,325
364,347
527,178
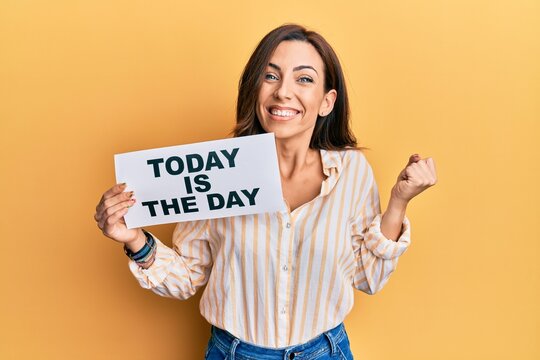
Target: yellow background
455,80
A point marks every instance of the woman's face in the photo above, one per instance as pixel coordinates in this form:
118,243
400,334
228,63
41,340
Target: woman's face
292,92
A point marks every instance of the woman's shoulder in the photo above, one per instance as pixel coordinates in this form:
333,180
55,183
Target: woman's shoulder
348,155
350,160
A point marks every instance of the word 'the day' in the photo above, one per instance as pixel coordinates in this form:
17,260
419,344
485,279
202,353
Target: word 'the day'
215,201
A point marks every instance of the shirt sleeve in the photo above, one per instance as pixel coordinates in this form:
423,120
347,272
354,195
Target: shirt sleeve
179,272
376,256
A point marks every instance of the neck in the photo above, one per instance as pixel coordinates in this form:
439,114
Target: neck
294,157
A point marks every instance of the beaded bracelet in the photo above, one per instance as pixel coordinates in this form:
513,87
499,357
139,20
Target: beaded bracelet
144,254
149,262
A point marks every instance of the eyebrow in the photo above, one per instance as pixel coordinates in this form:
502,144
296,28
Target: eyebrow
300,67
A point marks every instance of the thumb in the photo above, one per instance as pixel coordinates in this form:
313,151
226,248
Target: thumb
413,158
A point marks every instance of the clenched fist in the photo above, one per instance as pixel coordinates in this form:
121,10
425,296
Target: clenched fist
418,175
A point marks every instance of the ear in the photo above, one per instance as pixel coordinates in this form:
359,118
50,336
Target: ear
327,104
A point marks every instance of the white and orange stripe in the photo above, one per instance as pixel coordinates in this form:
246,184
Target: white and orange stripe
280,279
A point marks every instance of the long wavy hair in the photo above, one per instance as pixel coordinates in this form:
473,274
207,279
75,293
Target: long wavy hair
332,132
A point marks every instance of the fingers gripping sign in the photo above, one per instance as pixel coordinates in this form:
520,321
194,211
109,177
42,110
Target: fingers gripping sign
418,175
112,207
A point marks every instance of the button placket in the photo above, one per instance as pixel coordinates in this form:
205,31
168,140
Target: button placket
284,274
288,226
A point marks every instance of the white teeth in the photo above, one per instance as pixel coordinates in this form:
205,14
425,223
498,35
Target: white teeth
283,113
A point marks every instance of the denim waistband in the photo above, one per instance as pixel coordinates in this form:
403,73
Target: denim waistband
240,350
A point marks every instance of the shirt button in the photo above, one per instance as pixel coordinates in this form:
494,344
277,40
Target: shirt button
288,225
285,268
283,311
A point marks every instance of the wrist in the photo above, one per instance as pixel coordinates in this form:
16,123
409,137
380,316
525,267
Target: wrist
145,255
138,243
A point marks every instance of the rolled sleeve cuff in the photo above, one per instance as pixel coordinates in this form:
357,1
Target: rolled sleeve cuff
158,271
383,247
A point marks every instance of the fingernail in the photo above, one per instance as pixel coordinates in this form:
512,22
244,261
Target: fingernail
130,194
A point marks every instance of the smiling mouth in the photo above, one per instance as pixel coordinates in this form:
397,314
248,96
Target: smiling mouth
282,113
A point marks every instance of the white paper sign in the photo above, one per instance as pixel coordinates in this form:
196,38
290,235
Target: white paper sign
206,180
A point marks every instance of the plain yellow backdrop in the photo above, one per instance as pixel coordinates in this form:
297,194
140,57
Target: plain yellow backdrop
455,80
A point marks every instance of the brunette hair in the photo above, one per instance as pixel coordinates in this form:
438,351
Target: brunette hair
332,132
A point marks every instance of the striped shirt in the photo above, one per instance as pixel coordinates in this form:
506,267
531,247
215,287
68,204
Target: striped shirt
280,279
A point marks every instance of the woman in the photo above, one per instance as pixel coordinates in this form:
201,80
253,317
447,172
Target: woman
279,285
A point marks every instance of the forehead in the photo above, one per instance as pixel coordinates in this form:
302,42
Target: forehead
292,53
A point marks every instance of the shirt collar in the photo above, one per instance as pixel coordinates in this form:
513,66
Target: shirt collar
332,164
330,160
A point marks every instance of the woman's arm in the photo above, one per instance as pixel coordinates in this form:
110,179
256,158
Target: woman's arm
179,272
417,176
376,255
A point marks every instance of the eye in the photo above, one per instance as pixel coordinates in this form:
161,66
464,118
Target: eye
305,79
270,77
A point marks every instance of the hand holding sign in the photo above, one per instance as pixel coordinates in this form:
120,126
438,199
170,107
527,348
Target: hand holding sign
110,211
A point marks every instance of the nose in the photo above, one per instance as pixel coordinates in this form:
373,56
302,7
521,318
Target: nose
283,91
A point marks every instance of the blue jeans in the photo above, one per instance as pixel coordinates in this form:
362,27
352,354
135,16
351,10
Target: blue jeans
332,344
